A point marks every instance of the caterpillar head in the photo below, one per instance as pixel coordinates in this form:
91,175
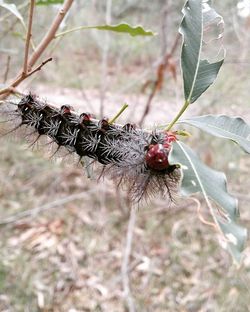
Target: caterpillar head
157,157
157,154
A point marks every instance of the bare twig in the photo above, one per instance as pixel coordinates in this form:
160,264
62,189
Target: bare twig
28,37
34,211
175,44
125,263
51,32
40,48
157,84
39,67
22,77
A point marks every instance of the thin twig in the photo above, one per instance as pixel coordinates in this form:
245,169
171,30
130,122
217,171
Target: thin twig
28,37
10,89
157,84
40,48
175,44
39,67
51,32
34,211
125,263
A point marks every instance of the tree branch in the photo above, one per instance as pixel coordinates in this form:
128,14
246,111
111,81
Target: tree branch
40,48
23,76
28,37
51,32
39,67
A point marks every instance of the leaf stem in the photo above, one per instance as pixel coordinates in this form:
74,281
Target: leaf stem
72,30
182,110
118,114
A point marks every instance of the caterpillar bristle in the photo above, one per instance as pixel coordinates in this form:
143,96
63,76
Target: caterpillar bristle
131,156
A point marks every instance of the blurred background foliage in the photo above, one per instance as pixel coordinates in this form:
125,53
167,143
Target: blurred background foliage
67,257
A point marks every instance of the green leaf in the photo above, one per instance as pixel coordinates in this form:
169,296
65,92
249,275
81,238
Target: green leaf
12,8
232,128
199,178
121,28
48,2
198,74
126,28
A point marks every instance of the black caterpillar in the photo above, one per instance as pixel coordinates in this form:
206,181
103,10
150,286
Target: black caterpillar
133,157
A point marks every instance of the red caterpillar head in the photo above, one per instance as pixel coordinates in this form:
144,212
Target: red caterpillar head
157,155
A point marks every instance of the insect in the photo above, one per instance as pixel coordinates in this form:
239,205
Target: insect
132,157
